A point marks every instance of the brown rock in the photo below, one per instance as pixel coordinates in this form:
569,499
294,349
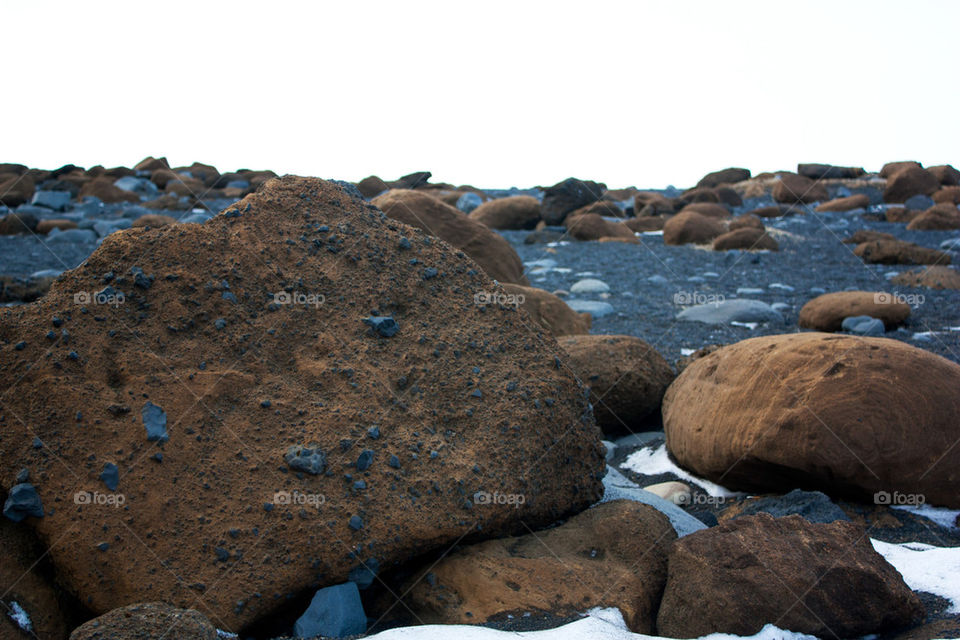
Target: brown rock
747,238
892,168
167,201
372,186
724,176
653,204
514,212
494,254
16,190
775,211
646,223
822,579
14,223
626,376
691,227
866,235
46,226
899,252
151,164
604,208
565,197
328,378
850,203
900,214
700,194
613,555
105,190
257,178
550,312
795,189
727,196
709,209
590,226
23,289
207,174
816,171
947,194
826,312
933,277
184,186
946,174
747,220
154,220
819,411
148,620
940,217
909,182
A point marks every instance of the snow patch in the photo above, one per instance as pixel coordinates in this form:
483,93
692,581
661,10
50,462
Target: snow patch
18,615
942,516
927,568
651,462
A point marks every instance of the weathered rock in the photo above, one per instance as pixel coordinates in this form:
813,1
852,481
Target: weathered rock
816,171
147,620
890,169
947,194
612,555
826,312
151,164
774,211
819,411
746,221
821,579
866,235
15,223
940,217
653,204
413,180
104,189
334,612
814,506
46,226
626,376
568,196
700,194
646,223
934,277
605,208
946,174
731,310
795,189
900,214
691,227
154,220
16,190
850,203
591,226
494,254
286,360
724,176
372,186
708,209
746,238
515,212
899,252
909,182
549,312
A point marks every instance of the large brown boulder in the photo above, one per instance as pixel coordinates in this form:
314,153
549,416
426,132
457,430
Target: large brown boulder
514,212
709,209
151,164
946,174
820,411
724,176
613,555
691,227
890,169
605,208
16,190
899,252
147,620
745,221
796,189
254,361
591,226
488,249
816,171
826,312
849,203
106,191
646,223
866,235
548,311
16,223
747,239
626,376
940,217
822,579
568,196
372,186
653,204
909,182
947,194
932,277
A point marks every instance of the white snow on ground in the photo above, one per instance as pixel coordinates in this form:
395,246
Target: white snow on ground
599,624
941,515
18,615
650,461
687,352
927,568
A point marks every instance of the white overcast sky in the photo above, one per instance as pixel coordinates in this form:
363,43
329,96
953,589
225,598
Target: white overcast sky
489,93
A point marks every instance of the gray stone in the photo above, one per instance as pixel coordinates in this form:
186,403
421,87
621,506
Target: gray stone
953,244
22,501
919,202
136,185
334,612
595,308
383,325
311,459
590,285
56,200
619,487
468,202
72,235
155,422
812,505
110,476
863,326
735,310
106,227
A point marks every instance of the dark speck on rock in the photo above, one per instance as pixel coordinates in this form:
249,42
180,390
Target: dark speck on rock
37,443
23,475
476,393
404,243
265,404
229,297
57,321
103,546
20,346
222,554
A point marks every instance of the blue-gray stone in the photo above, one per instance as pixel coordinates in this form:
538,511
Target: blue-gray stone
110,476
863,326
383,325
72,235
334,612
155,422
733,310
106,227
919,202
355,523
812,505
363,574
310,460
365,460
618,487
22,501
469,201
56,200
595,308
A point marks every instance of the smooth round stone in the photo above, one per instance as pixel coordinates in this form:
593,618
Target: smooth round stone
590,285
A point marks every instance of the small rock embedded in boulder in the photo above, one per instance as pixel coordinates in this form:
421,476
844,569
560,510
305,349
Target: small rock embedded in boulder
334,612
148,620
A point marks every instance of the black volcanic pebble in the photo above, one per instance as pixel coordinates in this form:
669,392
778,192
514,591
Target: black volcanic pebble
383,325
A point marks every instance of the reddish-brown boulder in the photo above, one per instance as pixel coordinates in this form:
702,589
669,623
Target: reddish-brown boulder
910,182
151,164
106,191
819,411
48,225
796,189
14,223
746,238
899,252
724,176
946,174
826,312
822,579
613,555
417,209
932,277
747,220
605,208
265,390
816,171
653,204
947,194
184,186
154,220
147,620
646,223
892,168
372,186
514,212
900,214
709,209
548,311
700,194
866,235
940,217
774,211
626,376
565,197
857,201
691,227
16,190
590,226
